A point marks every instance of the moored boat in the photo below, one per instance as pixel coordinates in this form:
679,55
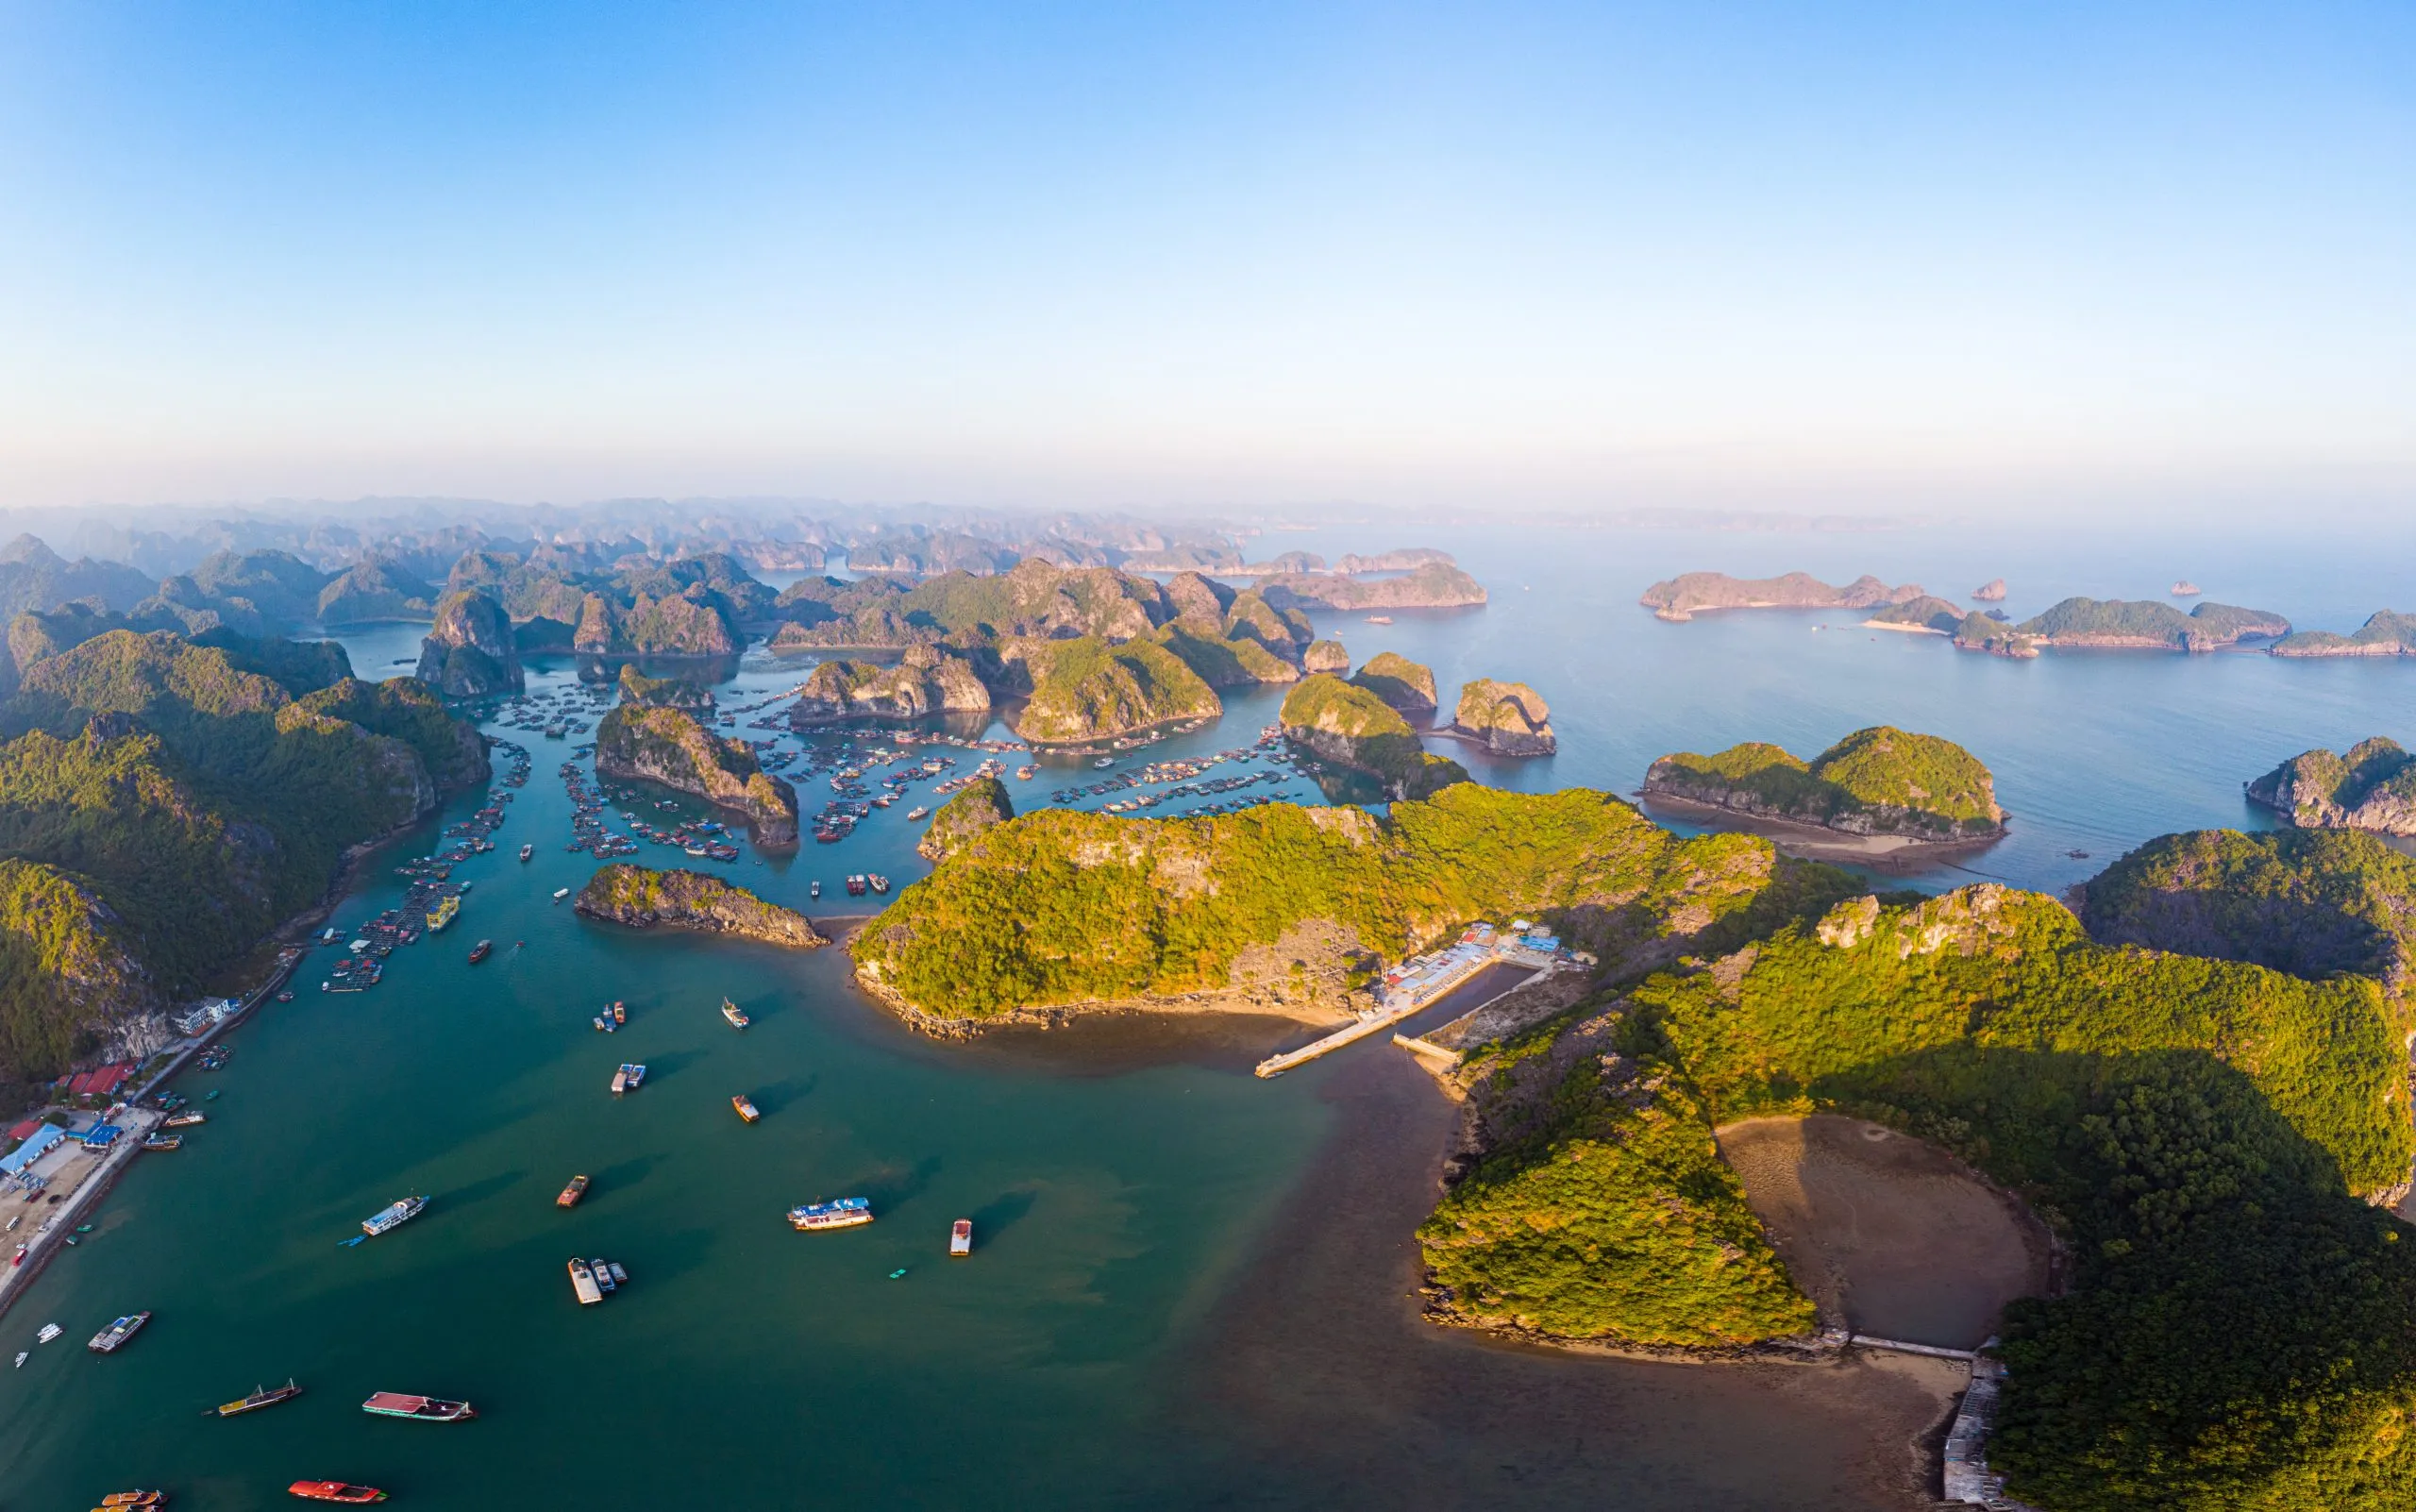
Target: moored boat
621,1077
879,883
393,1214
844,1213
526,851
960,1238
442,914
160,1141
427,1410
134,1499
184,1121
336,1491
636,1073
746,1109
108,1340
736,1016
583,1284
479,952
260,1397
571,1194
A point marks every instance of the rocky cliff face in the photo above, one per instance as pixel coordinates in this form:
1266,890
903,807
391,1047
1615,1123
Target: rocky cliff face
2372,787
678,625
925,682
374,591
470,653
1991,592
1507,719
1406,686
1876,782
669,746
2384,633
1325,656
1084,690
1349,726
644,899
980,807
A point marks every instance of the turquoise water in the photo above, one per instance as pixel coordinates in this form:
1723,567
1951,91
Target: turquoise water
1190,1285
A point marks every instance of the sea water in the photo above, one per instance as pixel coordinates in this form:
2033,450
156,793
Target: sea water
1189,1287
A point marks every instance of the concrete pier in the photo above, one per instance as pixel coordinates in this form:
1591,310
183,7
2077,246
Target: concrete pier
1277,1065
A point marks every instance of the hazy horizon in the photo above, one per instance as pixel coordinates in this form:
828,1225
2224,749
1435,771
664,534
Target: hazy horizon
1870,259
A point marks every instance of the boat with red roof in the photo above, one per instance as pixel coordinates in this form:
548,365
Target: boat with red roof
336,1491
427,1410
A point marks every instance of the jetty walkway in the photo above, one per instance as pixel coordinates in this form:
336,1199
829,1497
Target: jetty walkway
1412,1004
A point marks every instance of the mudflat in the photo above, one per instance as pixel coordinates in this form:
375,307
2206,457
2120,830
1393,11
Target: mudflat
1887,1235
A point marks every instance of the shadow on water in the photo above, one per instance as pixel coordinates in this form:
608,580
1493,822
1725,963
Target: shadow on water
778,1095
669,1064
892,1186
477,1191
668,1257
626,1173
1002,1212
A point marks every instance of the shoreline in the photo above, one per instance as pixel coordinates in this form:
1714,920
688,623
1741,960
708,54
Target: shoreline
1235,1000
1812,842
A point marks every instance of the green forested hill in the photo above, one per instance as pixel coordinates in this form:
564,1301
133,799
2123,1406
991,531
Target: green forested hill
172,805
1066,907
2200,1131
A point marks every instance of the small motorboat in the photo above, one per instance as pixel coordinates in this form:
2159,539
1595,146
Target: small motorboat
49,1331
480,950
23,1355
260,1397
560,893
336,1491
960,1238
736,1016
571,1194
745,1110
620,1014
815,890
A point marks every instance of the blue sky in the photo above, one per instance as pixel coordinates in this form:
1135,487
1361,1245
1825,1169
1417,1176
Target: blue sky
1601,256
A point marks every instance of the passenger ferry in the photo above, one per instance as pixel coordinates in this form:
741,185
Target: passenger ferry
442,914
107,1340
737,1017
427,1410
392,1216
846,1213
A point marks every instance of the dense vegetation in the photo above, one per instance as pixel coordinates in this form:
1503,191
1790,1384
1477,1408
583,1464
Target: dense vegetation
1067,907
2371,787
1614,1218
669,746
1879,780
975,809
662,693
173,802
2312,902
2384,633
1398,681
1087,689
1923,612
1349,725
2147,623
2240,1330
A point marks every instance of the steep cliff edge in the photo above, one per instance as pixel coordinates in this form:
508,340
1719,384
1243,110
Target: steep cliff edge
645,899
1407,685
1085,689
470,652
669,746
978,809
925,682
1875,782
1350,727
2372,787
1506,718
